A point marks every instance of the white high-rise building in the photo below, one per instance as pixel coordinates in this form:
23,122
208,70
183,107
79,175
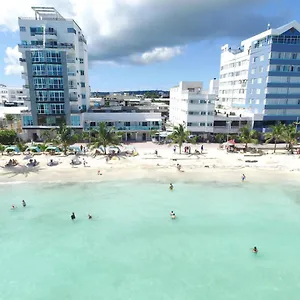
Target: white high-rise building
192,107
55,61
214,86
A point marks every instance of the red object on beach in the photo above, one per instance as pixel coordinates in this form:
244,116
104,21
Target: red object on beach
231,142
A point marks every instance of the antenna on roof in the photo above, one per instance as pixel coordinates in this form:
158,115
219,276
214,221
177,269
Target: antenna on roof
269,26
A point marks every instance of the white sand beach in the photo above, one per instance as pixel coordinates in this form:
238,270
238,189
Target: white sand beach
213,164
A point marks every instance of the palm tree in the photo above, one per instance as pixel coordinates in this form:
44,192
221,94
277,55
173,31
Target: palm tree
46,136
104,136
276,134
290,135
247,136
65,137
179,135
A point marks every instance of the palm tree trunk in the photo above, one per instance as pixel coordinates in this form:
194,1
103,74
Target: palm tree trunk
275,146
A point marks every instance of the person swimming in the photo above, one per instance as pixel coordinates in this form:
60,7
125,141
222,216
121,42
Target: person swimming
23,203
13,207
89,216
171,212
171,186
254,250
173,216
73,217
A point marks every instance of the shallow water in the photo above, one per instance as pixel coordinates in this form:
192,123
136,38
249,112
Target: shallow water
131,249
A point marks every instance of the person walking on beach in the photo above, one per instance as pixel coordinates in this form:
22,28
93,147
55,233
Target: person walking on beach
174,149
23,203
243,177
73,217
202,148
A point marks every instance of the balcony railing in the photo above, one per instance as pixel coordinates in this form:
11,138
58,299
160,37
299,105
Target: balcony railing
70,60
59,46
47,32
73,98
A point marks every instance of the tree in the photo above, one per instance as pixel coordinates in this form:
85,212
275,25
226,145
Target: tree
104,136
276,134
9,119
290,136
8,136
248,136
220,138
179,135
65,137
46,136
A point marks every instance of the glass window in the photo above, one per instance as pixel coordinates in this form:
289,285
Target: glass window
83,96
81,72
81,60
262,58
71,30
22,28
82,84
75,120
257,91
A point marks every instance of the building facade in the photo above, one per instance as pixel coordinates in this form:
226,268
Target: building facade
265,71
12,96
192,107
55,62
134,126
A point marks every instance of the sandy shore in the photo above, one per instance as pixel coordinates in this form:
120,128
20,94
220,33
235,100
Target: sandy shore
213,165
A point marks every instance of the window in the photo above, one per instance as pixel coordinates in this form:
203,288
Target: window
81,72
82,84
294,56
22,28
252,80
210,124
55,83
202,124
262,58
257,91
278,68
203,113
257,101
144,123
259,80
254,59
81,60
261,69
83,96
71,30
24,42
126,123
253,71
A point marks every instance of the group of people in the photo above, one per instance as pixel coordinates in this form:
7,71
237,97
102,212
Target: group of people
23,204
73,217
12,163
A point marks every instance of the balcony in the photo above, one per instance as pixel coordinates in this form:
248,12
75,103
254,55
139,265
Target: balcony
71,74
47,45
73,98
47,32
138,128
70,60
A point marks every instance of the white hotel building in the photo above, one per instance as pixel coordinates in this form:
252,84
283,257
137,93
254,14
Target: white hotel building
192,107
55,62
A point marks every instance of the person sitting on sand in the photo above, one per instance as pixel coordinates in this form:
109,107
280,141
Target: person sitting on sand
89,216
254,250
178,167
23,203
171,186
73,217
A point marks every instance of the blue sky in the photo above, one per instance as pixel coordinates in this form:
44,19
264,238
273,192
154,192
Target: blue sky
199,58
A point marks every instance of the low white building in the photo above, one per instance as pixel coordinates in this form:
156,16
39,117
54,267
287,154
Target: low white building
12,96
134,126
193,107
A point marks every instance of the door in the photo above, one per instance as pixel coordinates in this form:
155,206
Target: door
144,137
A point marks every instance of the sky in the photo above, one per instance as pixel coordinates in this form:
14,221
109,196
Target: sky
148,44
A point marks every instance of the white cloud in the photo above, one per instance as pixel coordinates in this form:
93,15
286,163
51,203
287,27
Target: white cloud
156,55
146,31
12,61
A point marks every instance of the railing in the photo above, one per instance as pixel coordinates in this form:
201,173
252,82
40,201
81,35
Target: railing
59,46
73,98
134,128
47,32
71,74
70,60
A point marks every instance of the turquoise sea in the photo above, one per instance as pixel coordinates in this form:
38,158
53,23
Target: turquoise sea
131,249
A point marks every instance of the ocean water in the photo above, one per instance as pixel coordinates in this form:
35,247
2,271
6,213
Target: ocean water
131,249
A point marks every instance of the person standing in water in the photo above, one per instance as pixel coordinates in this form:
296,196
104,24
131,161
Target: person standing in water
73,217
89,216
23,203
171,186
254,250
